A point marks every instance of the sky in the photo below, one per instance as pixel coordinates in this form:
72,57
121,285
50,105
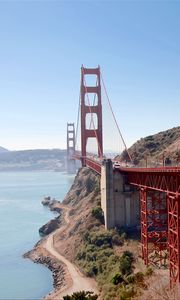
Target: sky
43,45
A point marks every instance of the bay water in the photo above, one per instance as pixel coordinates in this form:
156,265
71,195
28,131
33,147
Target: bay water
21,216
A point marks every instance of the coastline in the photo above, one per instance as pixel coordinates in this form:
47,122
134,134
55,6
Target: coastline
39,255
66,276
61,278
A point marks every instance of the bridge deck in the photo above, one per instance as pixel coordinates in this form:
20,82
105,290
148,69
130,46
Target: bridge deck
152,170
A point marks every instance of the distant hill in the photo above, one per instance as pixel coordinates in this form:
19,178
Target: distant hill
154,147
30,160
2,150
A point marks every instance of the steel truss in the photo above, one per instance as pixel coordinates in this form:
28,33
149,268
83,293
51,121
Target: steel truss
174,236
159,179
153,226
160,214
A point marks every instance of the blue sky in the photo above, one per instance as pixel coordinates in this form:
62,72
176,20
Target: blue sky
43,45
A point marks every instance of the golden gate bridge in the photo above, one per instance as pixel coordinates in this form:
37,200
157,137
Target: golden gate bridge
158,188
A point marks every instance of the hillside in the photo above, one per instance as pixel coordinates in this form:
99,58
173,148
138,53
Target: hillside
154,147
2,150
32,160
110,257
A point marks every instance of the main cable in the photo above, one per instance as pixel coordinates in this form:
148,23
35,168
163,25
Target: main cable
115,117
77,124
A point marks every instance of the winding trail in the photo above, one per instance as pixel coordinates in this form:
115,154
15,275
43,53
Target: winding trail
79,281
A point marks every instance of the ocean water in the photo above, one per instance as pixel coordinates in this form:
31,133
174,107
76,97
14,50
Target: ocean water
21,215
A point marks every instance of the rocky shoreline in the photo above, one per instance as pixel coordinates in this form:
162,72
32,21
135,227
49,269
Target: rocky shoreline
57,268
40,255
55,223
57,250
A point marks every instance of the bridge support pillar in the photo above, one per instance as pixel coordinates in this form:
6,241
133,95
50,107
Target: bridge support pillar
119,202
107,193
71,163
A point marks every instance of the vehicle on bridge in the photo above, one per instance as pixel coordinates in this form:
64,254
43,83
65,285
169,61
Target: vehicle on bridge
116,165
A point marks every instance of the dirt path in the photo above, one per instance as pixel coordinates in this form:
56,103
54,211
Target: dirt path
79,281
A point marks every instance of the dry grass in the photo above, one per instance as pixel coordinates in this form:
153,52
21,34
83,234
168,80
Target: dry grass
159,288
153,148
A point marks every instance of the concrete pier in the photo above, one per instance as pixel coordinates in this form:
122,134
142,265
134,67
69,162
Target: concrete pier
119,200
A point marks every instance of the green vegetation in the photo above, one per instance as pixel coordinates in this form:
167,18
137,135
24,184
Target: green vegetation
97,213
118,278
82,295
100,253
126,263
114,273
149,271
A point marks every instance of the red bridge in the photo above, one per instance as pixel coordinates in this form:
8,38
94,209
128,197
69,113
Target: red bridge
159,187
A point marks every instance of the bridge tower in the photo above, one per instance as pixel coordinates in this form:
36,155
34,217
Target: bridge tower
71,167
87,108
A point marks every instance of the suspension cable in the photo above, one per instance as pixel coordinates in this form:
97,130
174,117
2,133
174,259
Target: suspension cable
77,124
99,148
115,117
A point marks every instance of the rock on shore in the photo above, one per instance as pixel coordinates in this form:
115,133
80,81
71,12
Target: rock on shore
49,227
53,224
57,268
53,204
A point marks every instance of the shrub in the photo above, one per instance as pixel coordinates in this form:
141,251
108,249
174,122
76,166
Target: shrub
92,269
125,266
117,279
82,295
126,261
89,185
97,213
91,256
130,278
86,236
97,185
126,293
104,253
149,271
128,254
78,192
117,240
81,255
139,277
139,280
122,232
101,238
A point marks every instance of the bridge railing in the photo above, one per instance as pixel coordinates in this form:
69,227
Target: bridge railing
150,170
91,162
95,165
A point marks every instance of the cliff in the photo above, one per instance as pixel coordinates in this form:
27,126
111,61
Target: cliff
82,197
109,257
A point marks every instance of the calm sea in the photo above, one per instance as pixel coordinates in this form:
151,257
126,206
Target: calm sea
21,215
